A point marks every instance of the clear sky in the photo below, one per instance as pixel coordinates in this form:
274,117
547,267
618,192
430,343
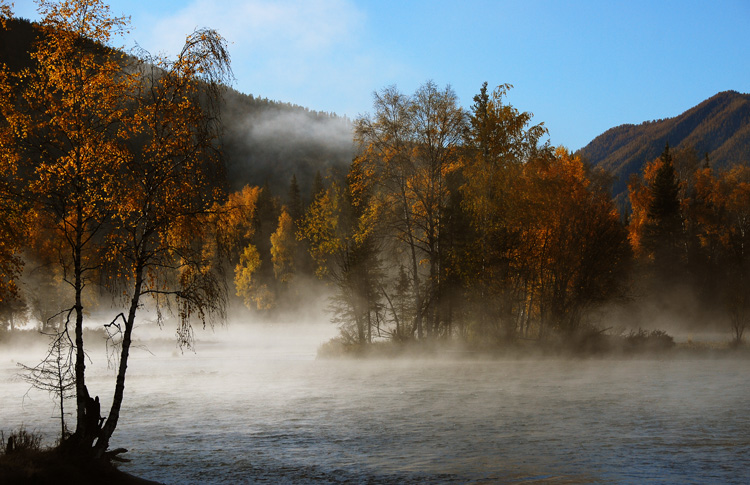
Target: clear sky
580,66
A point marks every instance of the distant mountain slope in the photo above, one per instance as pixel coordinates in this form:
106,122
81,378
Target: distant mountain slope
264,141
719,126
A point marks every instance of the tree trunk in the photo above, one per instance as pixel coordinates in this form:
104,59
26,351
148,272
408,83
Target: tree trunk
114,414
82,433
417,293
61,386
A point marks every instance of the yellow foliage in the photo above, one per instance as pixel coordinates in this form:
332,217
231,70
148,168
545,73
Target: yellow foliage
253,294
234,218
283,246
320,228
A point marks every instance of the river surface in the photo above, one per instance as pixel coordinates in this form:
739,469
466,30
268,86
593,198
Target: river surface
258,407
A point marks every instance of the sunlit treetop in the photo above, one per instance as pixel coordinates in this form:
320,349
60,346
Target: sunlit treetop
90,19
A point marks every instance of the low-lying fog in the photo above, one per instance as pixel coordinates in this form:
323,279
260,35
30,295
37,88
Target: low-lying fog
253,403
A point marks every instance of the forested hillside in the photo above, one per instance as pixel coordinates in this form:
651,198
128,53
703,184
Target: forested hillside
719,127
264,142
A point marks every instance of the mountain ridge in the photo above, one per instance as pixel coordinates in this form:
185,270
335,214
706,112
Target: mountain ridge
718,127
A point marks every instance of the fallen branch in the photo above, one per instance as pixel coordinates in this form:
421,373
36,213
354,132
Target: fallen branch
113,455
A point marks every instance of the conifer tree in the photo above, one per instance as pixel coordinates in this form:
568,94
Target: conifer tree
318,186
663,231
294,202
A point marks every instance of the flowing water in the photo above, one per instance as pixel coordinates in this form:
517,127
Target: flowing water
261,408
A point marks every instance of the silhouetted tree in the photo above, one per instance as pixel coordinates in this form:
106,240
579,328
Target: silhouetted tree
55,373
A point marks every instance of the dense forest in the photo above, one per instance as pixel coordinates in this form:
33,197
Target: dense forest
444,222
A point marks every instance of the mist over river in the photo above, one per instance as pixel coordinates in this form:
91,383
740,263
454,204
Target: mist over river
253,404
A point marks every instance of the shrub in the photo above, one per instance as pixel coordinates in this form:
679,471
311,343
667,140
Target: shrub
21,440
653,340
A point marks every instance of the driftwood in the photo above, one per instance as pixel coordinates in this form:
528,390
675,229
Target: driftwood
112,455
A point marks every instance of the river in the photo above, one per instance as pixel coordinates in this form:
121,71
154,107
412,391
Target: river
257,406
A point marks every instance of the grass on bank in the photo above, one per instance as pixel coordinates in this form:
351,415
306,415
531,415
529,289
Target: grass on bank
23,460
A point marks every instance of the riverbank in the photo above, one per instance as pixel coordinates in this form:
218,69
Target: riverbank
654,344
43,467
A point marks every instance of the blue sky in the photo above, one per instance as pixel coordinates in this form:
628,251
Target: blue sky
580,66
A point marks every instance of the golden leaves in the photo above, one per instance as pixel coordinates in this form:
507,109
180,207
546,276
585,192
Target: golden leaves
253,294
283,246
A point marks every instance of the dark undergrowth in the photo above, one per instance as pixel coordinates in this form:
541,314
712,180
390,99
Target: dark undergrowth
587,342
23,460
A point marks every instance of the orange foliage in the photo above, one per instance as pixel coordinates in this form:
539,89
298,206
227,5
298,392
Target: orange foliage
640,200
574,243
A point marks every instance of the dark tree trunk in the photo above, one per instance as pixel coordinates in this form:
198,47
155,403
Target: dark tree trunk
114,414
83,436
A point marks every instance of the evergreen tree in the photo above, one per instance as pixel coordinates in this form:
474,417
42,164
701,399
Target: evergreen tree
318,187
266,222
663,231
294,202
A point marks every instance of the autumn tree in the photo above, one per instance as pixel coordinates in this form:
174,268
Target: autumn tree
13,217
499,141
341,227
283,249
122,166
386,141
411,144
12,225
65,121
265,221
236,223
254,276
724,231
662,236
161,245
579,249
254,293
